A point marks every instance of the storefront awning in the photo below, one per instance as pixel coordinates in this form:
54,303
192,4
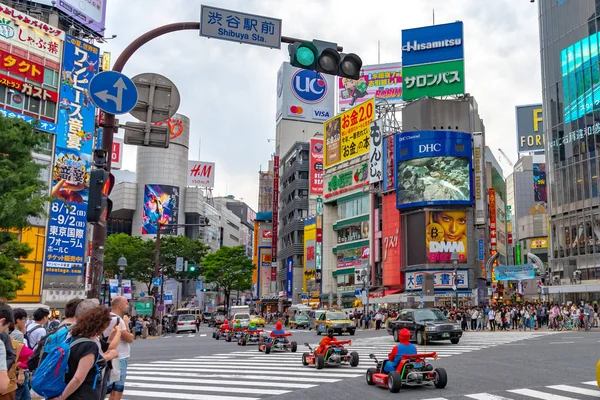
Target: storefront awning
344,271
350,221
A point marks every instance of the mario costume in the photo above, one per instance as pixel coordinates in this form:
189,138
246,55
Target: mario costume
224,326
326,341
395,356
277,331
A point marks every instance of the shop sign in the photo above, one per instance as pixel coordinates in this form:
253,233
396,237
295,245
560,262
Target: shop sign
17,16
347,180
388,163
174,125
19,66
442,279
538,243
28,89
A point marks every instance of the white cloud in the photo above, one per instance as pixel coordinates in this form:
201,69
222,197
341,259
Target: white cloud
228,89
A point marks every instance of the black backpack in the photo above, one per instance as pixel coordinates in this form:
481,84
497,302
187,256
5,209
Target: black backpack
27,333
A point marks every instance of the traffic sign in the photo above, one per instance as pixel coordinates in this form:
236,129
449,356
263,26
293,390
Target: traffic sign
156,281
161,308
142,294
113,92
165,97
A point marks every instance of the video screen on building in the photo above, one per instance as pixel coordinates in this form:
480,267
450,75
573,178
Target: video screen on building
161,206
433,168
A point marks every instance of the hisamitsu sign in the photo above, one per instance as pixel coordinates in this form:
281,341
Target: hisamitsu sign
218,23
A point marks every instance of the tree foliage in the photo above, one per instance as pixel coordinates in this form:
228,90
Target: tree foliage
230,269
22,195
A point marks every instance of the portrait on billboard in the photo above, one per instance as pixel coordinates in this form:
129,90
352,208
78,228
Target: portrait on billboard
332,135
446,232
539,182
161,206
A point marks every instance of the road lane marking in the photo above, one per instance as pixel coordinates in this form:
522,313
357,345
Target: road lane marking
303,372
540,395
573,389
182,396
561,342
219,389
220,382
229,376
486,396
167,364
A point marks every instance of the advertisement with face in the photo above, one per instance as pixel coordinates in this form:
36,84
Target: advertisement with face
161,206
539,183
432,168
446,232
381,81
91,13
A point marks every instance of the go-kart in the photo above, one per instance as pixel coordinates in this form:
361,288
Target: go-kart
333,355
278,343
251,337
235,333
412,371
218,333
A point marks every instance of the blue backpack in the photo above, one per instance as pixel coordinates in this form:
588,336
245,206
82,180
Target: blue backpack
49,378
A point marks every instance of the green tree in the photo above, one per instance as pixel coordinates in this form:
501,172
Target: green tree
192,251
138,252
230,269
22,195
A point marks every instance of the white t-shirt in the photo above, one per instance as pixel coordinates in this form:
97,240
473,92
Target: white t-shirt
34,334
123,348
491,314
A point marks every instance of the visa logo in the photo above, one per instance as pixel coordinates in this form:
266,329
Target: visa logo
320,113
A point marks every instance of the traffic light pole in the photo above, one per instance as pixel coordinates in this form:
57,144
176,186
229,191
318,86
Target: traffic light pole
99,232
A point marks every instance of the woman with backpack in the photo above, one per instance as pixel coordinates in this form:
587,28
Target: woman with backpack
85,364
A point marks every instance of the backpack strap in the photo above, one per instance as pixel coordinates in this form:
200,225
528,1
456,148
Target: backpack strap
80,340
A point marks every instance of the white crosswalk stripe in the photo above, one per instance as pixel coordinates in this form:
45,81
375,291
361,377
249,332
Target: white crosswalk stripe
245,373
564,392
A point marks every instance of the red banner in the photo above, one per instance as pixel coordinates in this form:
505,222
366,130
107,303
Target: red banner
316,166
28,89
22,67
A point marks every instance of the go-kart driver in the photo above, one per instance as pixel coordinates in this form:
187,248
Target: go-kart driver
224,326
278,330
326,341
395,356
252,327
237,324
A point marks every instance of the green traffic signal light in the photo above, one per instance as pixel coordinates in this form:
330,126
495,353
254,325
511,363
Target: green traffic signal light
305,56
192,268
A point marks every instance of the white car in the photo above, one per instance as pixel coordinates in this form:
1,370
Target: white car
186,322
244,319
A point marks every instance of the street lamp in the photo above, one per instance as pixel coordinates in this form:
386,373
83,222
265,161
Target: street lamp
121,263
455,263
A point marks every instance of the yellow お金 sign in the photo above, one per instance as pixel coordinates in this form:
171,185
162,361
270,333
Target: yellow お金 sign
347,135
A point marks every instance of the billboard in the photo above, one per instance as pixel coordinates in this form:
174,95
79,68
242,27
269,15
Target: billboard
310,242
479,188
430,80
493,221
201,173
347,180
161,206
432,44
379,82
347,135
530,129
91,13
388,164
446,232
65,249
539,183
375,152
515,272
304,95
433,168
316,166
442,279
117,153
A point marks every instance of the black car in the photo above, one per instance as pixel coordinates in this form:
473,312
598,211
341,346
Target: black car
208,317
425,324
216,320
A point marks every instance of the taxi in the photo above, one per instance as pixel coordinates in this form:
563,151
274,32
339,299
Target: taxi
258,320
336,320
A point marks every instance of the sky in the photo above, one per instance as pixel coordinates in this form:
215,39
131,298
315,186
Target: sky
228,90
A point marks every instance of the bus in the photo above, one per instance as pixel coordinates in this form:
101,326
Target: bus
192,310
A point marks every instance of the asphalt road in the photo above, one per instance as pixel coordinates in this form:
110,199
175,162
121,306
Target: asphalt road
483,366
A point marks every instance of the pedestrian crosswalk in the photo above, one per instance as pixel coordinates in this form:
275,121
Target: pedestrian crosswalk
581,391
246,373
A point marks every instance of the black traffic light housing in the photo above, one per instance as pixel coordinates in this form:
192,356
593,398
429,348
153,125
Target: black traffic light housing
323,57
99,205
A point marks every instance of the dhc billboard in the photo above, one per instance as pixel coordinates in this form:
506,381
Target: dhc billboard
433,168
431,44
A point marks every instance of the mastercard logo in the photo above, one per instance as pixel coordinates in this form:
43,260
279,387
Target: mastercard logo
297,110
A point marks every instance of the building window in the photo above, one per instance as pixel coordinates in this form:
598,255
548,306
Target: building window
235,239
50,109
353,232
354,207
345,283
50,77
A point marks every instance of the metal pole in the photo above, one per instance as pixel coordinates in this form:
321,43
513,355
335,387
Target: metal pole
456,283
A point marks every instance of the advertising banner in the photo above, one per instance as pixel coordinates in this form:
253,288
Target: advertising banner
126,285
316,166
515,272
433,168
480,250
21,67
389,181
538,243
431,80
478,162
539,183
289,280
275,213
117,153
530,128
265,267
493,228
92,14
310,241
168,297
347,180
113,285
201,174
347,135
381,81
442,279
375,152
161,206
65,249
44,126
391,247
432,44
446,233
518,253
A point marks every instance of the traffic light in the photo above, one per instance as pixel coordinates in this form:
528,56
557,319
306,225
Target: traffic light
192,268
204,290
99,205
205,221
323,57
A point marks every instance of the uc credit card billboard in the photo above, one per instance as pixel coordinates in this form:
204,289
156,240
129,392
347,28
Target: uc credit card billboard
433,168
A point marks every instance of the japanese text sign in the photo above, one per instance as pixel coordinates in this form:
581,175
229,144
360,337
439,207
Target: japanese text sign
21,67
375,155
388,163
347,135
347,180
28,89
431,80
17,16
70,173
316,166
240,27
41,125
442,279
381,81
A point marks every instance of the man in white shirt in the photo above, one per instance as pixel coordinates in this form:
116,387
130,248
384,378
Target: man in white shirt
119,309
36,331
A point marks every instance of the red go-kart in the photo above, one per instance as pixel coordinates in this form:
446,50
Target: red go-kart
333,355
412,371
251,337
278,343
235,333
218,333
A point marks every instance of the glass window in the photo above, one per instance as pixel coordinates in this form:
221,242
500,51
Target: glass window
34,105
50,77
354,207
2,94
354,232
50,110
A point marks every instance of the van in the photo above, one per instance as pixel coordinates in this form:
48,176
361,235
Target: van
298,309
314,315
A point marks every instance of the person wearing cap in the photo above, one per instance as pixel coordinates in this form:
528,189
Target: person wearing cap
326,341
224,326
252,326
403,348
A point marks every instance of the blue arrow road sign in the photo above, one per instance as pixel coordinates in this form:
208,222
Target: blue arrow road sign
142,294
113,92
156,281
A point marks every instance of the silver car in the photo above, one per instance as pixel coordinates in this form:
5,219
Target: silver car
186,322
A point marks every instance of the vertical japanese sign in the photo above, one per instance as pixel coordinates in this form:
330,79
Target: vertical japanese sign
316,166
289,277
493,229
375,152
275,217
478,177
388,163
319,242
70,173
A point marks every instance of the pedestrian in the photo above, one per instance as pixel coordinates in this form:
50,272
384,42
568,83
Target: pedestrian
198,324
145,328
492,319
18,335
6,318
378,319
119,308
139,327
36,331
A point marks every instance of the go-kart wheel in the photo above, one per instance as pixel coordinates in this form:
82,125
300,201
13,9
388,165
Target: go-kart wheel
217,336
294,347
304,358
318,332
455,340
228,338
420,338
354,359
320,361
396,337
239,342
268,349
369,376
394,382
244,342
441,378
352,332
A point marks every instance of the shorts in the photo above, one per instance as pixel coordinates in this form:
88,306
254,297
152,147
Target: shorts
119,386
